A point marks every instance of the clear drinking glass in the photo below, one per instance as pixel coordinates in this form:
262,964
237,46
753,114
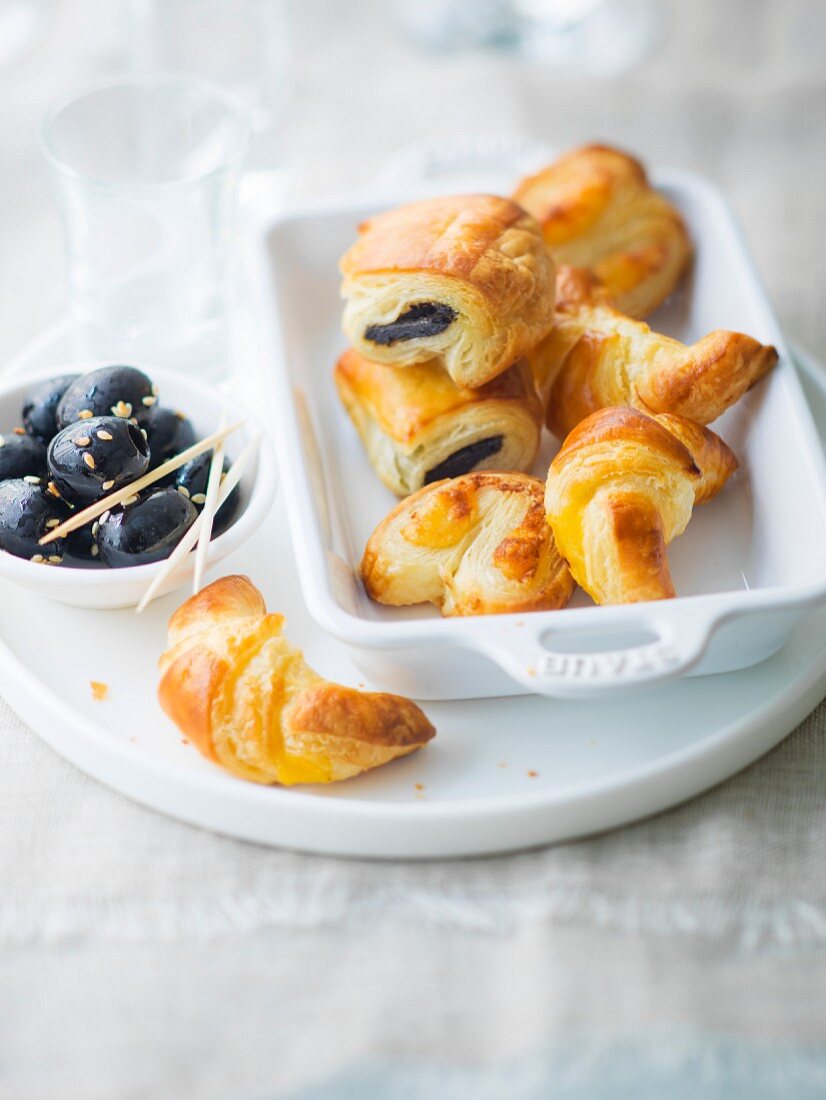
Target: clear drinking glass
145,171
241,44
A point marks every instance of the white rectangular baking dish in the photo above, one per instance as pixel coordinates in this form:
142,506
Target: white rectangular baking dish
749,566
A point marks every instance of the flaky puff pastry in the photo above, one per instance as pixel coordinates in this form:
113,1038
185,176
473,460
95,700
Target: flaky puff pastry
465,279
620,489
472,545
247,699
596,357
418,426
598,210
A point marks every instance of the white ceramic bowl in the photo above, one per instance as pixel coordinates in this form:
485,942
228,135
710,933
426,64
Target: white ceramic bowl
99,587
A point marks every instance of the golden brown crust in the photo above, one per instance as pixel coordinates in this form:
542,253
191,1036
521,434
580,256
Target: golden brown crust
480,256
519,553
598,211
234,598
636,528
185,695
596,357
620,489
404,402
413,419
246,698
627,425
471,545
455,235
378,720
713,457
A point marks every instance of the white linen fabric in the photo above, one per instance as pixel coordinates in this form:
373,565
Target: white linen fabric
683,956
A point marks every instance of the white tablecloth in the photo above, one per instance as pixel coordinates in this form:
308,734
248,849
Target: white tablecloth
683,956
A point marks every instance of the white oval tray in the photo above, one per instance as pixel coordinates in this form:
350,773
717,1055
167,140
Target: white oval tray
502,774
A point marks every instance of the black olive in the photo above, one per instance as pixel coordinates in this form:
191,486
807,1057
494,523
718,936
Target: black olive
40,406
82,543
191,481
94,457
464,460
27,513
422,319
169,433
144,531
21,455
108,391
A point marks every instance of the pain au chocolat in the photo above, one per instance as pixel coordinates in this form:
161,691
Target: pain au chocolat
418,426
464,279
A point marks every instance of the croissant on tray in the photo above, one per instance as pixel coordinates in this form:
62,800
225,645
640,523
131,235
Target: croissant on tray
622,486
247,699
598,210
597,357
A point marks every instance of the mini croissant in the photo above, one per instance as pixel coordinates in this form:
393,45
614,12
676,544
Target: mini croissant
620,489
472,545
596,357
598,210
235,687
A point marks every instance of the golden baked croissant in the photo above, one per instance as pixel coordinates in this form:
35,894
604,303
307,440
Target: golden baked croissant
597,210
247,699
596,357
620,489
471,545
418,426
465,279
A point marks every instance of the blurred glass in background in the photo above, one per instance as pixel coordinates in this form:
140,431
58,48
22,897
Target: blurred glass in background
591,37
242,44
21,24
145,171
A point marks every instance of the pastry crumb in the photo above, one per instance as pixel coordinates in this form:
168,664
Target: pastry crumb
502,764
100,691
531,671
532,774
419,786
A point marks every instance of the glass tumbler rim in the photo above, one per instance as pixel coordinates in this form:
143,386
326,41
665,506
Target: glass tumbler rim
156,78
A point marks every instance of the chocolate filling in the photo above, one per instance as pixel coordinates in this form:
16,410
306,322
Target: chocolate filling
463,460
423,319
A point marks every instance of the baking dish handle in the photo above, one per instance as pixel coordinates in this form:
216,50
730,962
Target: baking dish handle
544,664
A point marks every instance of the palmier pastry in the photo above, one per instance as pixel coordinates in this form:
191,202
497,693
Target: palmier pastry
620,489
418,426
464,279
473,545
598,210
235,687
596,357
